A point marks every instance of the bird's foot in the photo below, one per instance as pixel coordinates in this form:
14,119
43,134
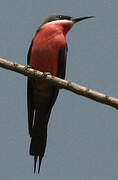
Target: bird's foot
46,74
27,67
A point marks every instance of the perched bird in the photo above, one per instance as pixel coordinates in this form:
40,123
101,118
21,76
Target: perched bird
47,53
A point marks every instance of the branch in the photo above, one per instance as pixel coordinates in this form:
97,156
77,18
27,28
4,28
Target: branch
73,87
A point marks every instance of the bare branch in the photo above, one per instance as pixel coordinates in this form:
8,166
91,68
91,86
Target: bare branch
76,88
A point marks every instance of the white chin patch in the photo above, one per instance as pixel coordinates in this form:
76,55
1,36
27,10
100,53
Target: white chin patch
61,21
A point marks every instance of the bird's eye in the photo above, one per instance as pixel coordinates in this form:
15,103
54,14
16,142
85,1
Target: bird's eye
60,17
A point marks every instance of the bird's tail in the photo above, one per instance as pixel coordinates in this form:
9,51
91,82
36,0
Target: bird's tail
43,101
33,152
35,163
37,147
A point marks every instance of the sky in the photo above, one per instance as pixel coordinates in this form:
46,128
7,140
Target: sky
82,134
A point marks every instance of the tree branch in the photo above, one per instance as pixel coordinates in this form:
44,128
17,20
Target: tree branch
73,87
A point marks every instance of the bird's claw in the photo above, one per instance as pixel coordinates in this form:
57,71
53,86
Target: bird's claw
26,67
46,74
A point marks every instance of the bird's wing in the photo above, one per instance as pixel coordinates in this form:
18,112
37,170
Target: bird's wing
61,72
62,62
29,95
29,53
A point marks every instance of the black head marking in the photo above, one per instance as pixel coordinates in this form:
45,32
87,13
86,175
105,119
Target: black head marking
56,17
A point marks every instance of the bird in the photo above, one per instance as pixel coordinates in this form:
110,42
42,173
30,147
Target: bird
47,53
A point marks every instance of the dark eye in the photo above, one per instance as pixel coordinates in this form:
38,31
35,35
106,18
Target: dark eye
60,16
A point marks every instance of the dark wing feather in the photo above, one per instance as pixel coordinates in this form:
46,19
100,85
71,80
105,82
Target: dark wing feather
62,62
30,105
29,53
61,72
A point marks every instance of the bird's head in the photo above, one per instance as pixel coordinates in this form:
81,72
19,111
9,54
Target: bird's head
65,23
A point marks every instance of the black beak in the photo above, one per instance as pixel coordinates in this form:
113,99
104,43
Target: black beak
81,19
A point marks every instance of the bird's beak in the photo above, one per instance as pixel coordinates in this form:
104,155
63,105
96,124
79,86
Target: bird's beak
81,19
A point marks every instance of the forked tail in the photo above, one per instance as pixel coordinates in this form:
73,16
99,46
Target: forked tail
35,163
